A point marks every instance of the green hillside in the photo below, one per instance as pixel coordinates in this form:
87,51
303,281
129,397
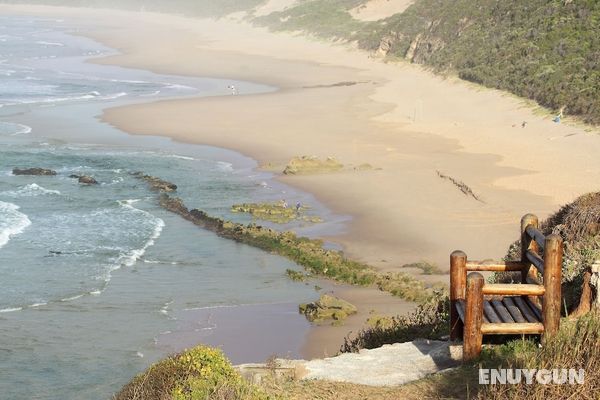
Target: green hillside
545,50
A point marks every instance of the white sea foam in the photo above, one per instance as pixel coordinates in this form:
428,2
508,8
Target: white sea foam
132,256
14,129
181,157
12,222
7,310
225,166
31,190
44,43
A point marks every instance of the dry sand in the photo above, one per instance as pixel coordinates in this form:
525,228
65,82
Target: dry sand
397,117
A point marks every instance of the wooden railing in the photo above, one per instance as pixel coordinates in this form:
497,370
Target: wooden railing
479,308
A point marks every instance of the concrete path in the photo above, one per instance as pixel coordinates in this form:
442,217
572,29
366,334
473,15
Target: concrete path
389,365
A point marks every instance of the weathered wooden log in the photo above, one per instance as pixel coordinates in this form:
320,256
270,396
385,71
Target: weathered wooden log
527,243
513,329
501,267
490,313
518,289
473,316
585,300
502,311
458,282
513,309
536,235
527,312
553,254
535,259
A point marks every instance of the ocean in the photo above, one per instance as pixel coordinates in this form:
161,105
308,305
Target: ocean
97,282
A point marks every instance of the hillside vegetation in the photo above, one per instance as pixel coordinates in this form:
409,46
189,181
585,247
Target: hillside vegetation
545,50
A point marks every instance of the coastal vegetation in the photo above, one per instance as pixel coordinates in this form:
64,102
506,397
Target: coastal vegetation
279,213
200,373
306,252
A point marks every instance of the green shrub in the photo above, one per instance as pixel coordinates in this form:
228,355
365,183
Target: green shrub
200,373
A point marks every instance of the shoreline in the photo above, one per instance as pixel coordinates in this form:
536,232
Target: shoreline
396,117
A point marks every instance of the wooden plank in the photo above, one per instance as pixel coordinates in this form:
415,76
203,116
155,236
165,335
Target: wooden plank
536,235
472,338
500,267
514,310
526,310
536,260
533,280
460,308
553,254
490,313
512,329
513,289
502,312
527,243
458,283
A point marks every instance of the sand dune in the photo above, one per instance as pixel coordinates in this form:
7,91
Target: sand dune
374,10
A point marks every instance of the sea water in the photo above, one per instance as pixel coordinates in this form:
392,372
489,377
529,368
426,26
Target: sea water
97,282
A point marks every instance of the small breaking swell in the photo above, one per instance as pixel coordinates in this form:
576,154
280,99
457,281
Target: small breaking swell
12,222
14,129
130,258
31,190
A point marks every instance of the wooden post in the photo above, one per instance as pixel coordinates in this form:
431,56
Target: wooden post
528,244
458,282
553,254
473,336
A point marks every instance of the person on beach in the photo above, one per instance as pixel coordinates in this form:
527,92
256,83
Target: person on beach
298,207
233,90
284,203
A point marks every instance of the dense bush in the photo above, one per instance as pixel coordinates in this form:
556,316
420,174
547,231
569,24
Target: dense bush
201,373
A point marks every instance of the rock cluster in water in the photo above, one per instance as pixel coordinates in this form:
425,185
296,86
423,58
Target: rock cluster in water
33,171
275,212
156,183
85,179
327,307
309,253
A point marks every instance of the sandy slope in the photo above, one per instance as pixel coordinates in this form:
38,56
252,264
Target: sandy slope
374,10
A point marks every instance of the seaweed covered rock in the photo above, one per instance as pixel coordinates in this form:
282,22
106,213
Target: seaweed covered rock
33,171
312,165
327,307
156,183
275,212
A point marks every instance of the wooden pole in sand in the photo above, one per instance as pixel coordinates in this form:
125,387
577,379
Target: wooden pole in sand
458,282
553,254
473,337
527,243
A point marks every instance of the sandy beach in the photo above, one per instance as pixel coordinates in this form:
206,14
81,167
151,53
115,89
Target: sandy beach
335,101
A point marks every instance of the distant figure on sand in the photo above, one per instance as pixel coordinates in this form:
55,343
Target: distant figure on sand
233,90
523,124
559,116
298,207
284,203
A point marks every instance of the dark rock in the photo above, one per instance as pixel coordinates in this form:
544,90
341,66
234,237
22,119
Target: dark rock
87,180
33,171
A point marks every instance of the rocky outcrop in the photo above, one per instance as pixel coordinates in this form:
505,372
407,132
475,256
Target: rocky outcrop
156,183
279,213
306,252
34,171
327,307
312,165
84,179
